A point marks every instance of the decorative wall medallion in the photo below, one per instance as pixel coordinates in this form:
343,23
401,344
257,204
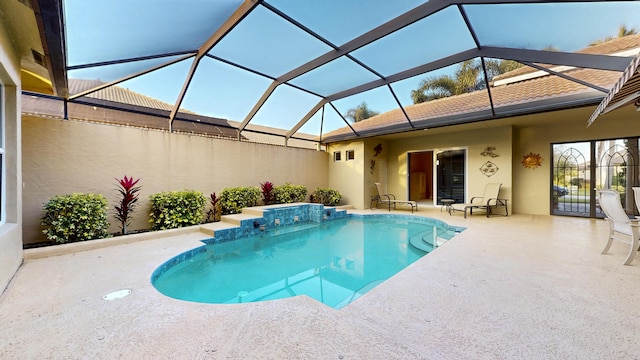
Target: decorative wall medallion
488,151
531,161
377,149
489,169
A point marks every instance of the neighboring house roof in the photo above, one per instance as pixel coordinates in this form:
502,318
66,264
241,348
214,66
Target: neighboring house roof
542,92
610,47
147,112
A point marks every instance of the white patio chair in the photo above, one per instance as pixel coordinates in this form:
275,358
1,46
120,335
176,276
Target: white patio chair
621,227
485,202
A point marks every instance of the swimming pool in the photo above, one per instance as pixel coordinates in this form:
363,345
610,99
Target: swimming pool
334,262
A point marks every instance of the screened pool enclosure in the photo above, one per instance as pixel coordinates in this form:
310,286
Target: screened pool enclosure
295,69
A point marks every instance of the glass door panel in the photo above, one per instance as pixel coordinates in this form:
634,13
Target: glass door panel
581,168
451,174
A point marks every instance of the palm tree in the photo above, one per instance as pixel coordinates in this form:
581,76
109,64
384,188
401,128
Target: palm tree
623,31
466,79
360,112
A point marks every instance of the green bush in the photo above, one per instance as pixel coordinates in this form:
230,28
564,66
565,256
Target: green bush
329,197
76,217
174,209
233,200
288,193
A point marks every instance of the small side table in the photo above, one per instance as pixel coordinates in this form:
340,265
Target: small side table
446,204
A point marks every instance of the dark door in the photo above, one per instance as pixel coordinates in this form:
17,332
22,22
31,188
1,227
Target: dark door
451,165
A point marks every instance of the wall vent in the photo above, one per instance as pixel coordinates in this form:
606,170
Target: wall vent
38,58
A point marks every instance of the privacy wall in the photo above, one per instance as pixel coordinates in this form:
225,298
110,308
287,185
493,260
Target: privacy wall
63,157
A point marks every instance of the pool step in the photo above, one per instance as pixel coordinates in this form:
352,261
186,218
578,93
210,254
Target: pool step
238,218
356,294
424,240
211,228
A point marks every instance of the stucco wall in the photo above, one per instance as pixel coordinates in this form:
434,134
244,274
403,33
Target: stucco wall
473,141
527,190
10,230
532,194
345,175
62,157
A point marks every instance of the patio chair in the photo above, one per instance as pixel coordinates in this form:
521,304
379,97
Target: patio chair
390,199
621,227
485,202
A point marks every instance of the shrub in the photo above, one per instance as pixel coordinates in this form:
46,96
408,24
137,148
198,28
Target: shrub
76,217
233,200
329,197
267,192
288,193
176,209
128,201
214,211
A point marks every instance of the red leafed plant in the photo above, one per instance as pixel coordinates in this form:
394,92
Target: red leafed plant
212,214
129,200
267,192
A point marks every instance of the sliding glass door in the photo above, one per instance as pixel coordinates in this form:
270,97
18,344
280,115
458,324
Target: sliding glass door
450,175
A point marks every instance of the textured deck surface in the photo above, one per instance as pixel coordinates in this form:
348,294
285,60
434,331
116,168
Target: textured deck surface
517,287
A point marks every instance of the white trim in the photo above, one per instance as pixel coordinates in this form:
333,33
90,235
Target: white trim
3,157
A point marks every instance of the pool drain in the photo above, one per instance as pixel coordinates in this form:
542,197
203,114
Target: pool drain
118,294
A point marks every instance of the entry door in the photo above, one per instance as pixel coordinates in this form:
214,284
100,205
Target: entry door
450,175
421,176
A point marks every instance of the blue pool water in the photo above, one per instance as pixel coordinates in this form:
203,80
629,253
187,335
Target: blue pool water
334,262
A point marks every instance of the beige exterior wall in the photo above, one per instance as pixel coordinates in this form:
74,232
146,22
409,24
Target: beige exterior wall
63,157
346,176
473,141
527,190
11,229
532,194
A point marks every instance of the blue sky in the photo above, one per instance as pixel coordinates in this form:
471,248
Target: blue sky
109,30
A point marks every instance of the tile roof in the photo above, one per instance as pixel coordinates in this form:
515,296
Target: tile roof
151,113
547,90
118,94
609,47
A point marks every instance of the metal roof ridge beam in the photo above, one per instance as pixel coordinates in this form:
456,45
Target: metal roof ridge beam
258,105
306,118
588,61
567,77
183,91
385,29
418,70
240,13
115,82
492,2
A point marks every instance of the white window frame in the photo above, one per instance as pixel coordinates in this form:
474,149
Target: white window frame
352,153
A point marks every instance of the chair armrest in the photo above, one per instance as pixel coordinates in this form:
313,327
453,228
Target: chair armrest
476,197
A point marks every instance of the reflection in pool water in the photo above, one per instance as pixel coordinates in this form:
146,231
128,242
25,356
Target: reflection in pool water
333,262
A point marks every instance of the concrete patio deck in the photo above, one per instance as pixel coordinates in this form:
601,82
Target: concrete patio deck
517,287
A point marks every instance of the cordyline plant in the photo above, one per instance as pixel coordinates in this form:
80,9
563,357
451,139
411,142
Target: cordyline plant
267,193
212,214
128,201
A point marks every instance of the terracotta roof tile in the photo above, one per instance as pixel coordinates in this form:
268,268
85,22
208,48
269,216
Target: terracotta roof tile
119,94
541,88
